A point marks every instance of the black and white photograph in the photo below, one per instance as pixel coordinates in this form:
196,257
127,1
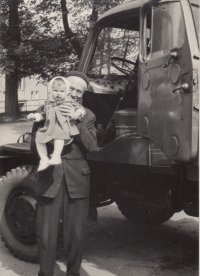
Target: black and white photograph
99,137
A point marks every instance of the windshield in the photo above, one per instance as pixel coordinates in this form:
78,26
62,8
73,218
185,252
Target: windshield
113,42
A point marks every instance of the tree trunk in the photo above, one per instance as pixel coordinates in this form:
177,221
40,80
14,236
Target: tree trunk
94,15
11,96
69,34
11,93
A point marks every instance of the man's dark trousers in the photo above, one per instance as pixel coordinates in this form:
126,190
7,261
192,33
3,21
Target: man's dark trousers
73,213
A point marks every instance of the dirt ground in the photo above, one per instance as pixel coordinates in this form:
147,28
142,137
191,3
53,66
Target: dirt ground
115,247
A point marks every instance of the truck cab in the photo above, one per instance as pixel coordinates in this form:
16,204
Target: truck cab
142,60
162,43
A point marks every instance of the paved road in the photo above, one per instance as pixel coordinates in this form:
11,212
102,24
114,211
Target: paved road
115,247
9,133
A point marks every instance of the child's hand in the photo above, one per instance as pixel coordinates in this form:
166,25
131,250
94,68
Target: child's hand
36,117
75,115
30,116
78,114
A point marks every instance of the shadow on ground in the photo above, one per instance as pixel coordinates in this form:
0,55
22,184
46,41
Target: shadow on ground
115,247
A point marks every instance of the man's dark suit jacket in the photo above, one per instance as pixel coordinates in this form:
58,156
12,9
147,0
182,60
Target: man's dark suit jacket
74,167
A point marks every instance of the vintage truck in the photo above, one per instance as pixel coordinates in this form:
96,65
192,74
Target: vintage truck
142,60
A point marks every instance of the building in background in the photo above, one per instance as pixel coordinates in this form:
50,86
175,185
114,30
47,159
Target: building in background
31,94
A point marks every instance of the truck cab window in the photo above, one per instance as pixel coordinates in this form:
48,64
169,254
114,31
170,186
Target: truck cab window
114,42
195,12
106,81
146,34
168,28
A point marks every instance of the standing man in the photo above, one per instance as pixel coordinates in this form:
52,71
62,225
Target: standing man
63,190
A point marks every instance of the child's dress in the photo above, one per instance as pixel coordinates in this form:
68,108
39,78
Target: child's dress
56,125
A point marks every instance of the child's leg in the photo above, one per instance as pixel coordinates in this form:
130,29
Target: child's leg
56,156
58,146
42,150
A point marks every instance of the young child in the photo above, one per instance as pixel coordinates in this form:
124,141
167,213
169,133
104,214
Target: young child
59,128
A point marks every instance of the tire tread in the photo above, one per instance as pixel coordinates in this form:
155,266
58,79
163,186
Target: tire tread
20,172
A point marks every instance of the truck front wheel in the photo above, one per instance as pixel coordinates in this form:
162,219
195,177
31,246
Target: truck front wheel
18,212
143,214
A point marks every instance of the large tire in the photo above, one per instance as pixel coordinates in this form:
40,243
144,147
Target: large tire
143,214
18,212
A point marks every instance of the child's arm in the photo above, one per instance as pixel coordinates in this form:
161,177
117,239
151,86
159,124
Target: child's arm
36,117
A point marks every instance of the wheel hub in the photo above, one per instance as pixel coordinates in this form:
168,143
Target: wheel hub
21,218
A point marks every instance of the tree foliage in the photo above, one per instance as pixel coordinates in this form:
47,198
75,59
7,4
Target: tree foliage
47,39
47,47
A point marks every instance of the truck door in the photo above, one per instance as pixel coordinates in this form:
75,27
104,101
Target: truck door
168,79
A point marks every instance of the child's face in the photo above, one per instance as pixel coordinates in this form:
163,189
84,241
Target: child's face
59,91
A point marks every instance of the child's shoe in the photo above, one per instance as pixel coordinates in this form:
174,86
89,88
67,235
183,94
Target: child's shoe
55,159
43,165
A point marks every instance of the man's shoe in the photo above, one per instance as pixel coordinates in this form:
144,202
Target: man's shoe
43,165
55,159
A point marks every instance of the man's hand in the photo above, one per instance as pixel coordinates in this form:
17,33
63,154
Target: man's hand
67,109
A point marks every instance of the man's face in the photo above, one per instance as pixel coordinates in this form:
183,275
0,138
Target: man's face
77,88
59,91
